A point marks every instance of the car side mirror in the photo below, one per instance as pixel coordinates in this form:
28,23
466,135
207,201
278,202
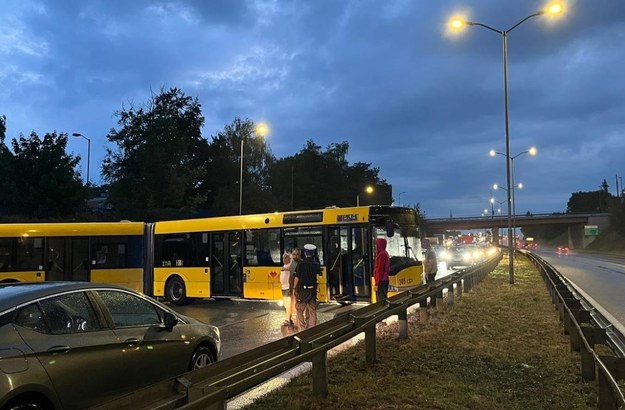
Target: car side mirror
170,320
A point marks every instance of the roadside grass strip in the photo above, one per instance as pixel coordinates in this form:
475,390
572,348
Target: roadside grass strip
501,346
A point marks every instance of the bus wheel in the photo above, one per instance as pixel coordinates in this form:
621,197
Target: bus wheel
176,292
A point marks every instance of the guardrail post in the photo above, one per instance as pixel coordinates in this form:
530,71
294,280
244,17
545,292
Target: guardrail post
607,400
402,323
567,324
424,316
588,364
468,283
450,295
592,335
575,341
560,306
370,344
615,366
440,303
459,289
320,374
554,295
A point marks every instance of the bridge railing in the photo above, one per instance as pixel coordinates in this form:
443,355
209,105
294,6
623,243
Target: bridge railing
211,387
587,328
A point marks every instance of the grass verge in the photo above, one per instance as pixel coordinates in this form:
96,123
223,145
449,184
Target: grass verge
501,347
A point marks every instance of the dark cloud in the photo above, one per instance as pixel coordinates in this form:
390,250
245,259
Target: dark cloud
423,106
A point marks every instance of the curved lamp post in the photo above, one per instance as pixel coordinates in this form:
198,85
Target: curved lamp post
457,24
519,186
532,152
368,189
261,130
399,199
76,134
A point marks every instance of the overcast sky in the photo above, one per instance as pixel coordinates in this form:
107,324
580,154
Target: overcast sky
422,105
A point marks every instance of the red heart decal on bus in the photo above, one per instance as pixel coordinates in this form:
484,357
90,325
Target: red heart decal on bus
273,274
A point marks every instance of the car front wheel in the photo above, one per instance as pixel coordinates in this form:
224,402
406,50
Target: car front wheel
201,358
26,404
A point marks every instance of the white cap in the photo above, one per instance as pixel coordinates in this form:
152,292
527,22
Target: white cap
309,247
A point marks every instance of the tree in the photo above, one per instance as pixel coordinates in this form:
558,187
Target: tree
595,201
224,162
159,167
314,178
44,181
5,163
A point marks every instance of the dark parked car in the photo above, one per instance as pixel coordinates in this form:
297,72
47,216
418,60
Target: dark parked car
70,345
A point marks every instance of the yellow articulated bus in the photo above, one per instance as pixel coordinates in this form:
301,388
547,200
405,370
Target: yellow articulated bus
232,256
241,256
109,252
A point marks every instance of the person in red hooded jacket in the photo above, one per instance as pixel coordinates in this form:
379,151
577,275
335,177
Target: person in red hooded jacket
381,269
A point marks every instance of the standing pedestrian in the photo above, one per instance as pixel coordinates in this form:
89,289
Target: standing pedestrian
430,264
285,276
305,284
295,260
381,270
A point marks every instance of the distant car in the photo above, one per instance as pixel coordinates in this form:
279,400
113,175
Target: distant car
71,345
562,250
532,246
461,256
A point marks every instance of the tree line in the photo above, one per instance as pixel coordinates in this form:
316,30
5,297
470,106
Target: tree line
160,166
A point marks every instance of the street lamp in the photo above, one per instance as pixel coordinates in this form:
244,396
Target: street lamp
532,152
76,134
368,189
399,199
514,187
457,24
261,130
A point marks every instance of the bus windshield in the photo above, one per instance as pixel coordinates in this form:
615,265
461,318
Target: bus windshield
404,247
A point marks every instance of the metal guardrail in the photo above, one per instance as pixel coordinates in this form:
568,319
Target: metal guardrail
212,386
587,328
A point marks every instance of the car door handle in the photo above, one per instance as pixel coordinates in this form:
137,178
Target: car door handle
59,349
132,341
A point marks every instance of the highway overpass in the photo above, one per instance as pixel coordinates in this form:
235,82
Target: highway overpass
576,223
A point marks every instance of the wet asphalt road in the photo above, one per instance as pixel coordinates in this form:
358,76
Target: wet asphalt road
600,278
246,324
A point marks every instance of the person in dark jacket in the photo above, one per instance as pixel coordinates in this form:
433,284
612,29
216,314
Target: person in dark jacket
381,269
430,264
305,284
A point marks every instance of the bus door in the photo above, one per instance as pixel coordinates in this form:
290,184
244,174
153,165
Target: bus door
337,262
361,261
349,262
67,259
226,269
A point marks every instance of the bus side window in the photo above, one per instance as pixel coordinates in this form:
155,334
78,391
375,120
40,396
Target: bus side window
263,247
5,254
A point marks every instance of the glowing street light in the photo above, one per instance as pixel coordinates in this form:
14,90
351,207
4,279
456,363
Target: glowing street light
456,24
368,189
261,130
532,151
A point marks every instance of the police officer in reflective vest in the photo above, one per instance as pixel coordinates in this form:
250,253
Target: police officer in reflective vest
305,284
